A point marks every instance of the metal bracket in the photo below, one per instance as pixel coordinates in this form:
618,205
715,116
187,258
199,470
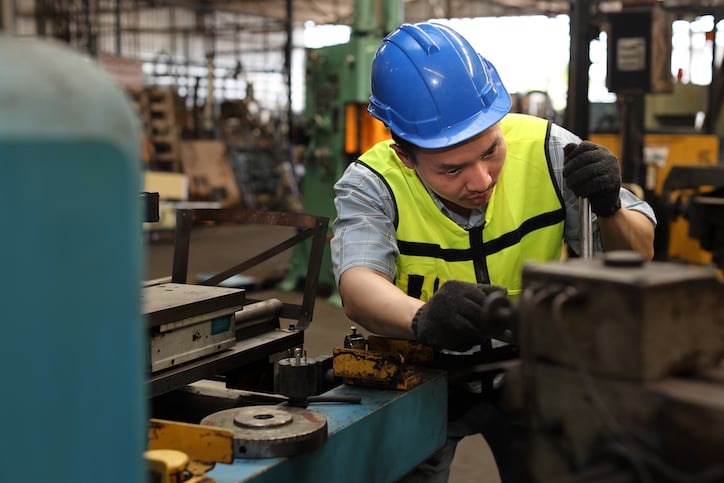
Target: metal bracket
309,226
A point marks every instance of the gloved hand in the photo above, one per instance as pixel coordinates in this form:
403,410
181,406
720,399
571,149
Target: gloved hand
592,172
454,317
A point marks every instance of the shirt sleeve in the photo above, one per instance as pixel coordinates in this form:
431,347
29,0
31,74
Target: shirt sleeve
559,138
364,233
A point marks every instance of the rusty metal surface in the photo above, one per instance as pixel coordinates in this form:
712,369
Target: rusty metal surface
638,323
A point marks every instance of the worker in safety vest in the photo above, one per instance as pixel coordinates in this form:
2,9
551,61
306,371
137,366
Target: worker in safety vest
432,221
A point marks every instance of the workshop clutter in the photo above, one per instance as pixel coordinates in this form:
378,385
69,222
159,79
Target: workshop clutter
237,165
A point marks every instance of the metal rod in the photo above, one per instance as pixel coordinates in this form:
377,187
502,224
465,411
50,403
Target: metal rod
182,246
270,308
586,227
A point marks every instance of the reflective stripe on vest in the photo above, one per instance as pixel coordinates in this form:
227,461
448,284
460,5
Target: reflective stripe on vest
523,220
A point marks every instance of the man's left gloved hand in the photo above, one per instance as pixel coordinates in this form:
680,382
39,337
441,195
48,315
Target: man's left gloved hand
592,172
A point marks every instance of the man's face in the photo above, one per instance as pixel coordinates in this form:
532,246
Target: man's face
463,175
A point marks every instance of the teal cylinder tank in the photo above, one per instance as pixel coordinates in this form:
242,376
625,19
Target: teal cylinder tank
72,357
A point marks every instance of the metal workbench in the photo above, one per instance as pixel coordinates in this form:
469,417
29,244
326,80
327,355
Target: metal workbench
379,440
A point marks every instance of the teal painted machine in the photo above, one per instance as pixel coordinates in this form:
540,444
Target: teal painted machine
340,129
71,251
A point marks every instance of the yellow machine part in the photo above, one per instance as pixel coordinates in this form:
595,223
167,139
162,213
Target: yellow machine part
358,365
412,352
201,443
182,452
171,466
361,130
385,363
682,150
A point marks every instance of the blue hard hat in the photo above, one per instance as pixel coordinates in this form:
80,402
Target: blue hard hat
432,89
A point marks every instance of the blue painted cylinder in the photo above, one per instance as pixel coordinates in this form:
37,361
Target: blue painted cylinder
71,250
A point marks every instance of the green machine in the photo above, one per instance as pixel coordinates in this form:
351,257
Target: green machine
338,90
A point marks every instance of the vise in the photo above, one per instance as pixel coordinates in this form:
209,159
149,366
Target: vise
622,369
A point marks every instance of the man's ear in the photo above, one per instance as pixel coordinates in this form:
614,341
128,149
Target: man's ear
403,156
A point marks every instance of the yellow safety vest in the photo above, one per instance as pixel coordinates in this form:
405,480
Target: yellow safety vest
523,220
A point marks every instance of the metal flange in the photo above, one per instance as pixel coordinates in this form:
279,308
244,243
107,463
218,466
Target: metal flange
271,431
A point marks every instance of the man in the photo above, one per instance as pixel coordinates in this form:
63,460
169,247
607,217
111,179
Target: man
431,222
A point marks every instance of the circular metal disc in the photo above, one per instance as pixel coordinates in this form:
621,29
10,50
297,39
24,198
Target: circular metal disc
271,431
263,417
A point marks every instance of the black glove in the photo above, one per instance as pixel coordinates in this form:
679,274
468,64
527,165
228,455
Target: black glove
454,317
592,172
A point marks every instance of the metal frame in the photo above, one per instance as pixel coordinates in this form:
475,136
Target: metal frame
309,226
254,345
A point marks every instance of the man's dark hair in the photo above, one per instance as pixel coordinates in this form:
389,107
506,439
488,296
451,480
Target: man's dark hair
407,147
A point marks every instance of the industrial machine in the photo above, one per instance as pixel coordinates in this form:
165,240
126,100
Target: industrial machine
665,154
621,376
691,196
339,128
223,362
622,363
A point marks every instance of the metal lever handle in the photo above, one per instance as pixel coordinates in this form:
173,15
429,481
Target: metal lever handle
585,219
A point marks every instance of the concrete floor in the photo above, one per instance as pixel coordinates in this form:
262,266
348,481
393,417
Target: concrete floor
217,248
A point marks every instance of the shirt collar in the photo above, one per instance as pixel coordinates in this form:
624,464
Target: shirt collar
477,215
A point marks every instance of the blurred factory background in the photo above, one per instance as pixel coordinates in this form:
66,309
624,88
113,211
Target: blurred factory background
257,107
254,104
